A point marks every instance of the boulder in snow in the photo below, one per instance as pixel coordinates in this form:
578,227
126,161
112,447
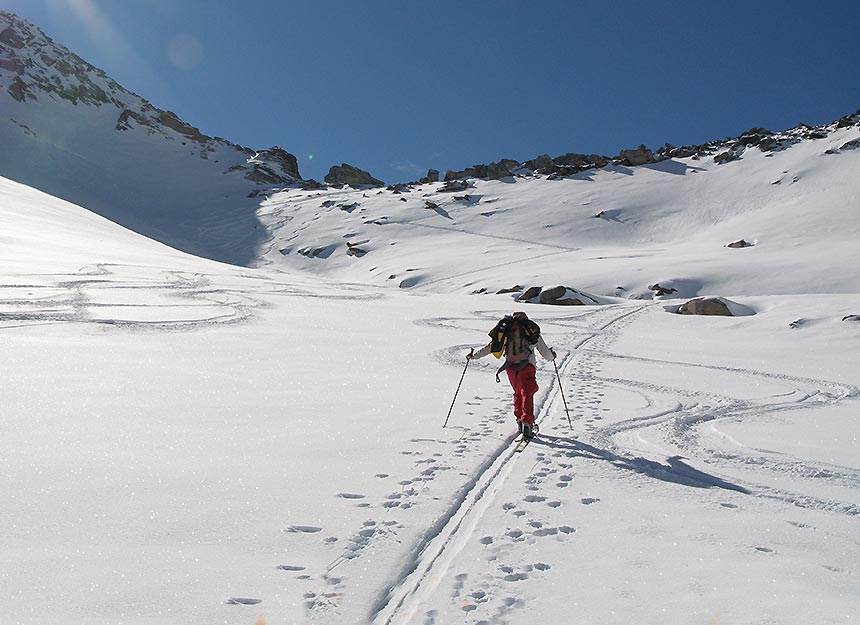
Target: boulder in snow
660,291
530,293
639,156
726,157
452,186
560,296
345,174
739,244
718,306
556,296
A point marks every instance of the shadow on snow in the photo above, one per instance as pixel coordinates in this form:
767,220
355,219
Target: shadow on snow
675,470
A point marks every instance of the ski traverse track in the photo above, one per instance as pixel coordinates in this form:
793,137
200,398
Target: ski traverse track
678,419
435,554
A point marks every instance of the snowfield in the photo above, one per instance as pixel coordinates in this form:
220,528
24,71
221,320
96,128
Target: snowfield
192,442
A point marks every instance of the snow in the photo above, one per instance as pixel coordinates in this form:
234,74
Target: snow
192,442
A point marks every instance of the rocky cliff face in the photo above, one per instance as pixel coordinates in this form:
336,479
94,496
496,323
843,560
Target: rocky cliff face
70,130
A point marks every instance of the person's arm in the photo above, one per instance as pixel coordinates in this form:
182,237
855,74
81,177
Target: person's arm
544,349
484,351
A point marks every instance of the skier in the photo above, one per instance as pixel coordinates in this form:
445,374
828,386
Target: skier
517,336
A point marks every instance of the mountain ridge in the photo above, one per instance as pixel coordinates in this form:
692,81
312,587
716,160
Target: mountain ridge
148,170
75,133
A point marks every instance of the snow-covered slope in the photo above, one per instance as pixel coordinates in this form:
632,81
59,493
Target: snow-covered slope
629,227
68,129
187,441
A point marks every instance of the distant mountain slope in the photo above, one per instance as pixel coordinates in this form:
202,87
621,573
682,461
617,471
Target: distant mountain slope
615,230
69,130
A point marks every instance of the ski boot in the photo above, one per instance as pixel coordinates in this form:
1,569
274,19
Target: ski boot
529,431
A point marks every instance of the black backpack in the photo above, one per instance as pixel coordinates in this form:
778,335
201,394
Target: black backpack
500,334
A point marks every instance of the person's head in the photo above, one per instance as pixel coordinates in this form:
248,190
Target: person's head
520,315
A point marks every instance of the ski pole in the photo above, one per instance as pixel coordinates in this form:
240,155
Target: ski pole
561,390
456,392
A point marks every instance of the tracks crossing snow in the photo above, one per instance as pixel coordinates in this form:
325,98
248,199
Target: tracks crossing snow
434,556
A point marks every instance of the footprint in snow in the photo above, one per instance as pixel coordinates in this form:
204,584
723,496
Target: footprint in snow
588,500
515,577
291,567
303,529
242,601
351,496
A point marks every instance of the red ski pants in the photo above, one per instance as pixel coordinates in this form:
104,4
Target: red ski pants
525,386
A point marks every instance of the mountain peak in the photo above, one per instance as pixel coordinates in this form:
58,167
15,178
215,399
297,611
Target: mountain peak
68,129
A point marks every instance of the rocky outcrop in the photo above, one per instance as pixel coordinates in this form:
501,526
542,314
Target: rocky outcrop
273,166
739,244
660,291
356,178
570,163
636,157
722,152
494,171
705,306
555,296
727,157
453,186
172,121
559,296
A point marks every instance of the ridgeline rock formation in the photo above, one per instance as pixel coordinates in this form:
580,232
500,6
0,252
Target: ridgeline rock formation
353,176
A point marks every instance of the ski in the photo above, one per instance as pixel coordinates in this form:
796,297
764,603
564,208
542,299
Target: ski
522,443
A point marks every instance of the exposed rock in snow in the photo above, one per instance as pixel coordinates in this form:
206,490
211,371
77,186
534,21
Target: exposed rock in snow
274,166
739,244
705,306
493,171
557,296
560,296
638,156
718,306
345,174
452,186
660,291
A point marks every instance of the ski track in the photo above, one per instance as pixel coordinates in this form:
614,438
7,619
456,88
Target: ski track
678,415
436,553
679,420
187,300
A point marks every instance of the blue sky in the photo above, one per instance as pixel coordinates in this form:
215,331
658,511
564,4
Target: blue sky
397,87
